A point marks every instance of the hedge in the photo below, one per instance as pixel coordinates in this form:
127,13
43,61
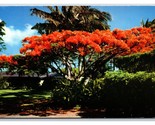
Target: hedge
136,62
130,94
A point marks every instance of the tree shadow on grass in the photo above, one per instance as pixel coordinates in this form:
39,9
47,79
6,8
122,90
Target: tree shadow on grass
34,102
23,103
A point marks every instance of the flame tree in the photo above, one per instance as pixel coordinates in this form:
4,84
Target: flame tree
78,55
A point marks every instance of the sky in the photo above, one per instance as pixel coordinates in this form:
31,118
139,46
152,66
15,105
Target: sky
19,21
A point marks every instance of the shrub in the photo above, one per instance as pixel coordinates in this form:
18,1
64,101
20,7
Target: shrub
3,83
122,94
64,94
92,95
136,62
130,94
68,94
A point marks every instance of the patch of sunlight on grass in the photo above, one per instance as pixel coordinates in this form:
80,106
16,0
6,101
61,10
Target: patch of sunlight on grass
9,96
26,95
6,91
41,96
29,104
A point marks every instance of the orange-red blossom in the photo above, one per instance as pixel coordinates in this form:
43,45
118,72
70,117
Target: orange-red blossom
100,41
7,59
120,42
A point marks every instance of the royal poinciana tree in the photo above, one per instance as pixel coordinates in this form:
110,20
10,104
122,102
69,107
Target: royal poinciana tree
80,55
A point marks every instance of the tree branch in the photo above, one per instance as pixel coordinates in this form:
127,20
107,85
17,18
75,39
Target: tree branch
59,70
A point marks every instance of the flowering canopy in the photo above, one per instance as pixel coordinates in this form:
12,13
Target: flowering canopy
7,60
86,51
129,41
74,41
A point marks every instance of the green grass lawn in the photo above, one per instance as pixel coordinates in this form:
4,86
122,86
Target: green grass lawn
17,101
8,93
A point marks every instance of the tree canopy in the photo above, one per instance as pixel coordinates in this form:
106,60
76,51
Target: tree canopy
71,18
80,54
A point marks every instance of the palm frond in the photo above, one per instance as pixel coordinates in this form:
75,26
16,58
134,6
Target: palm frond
44,15
40,13
149,24
44,28
51,8
72,18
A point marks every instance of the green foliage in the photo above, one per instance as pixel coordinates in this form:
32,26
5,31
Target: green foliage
93,94
136,62
65,94
2,24
129,94
28,65
150,24
69,94
123,93
71,18
3,83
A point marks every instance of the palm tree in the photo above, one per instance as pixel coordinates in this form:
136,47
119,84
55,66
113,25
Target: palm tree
2,32
71,18
150,24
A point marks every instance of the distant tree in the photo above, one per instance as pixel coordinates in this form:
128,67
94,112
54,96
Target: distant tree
2,32
71,18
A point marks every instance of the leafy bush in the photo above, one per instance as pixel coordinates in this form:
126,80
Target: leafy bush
92,95
121,93
64,93
3,83
130,94
136,62
68,94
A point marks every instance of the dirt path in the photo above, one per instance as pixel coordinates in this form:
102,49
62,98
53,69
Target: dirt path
46,114
71,113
